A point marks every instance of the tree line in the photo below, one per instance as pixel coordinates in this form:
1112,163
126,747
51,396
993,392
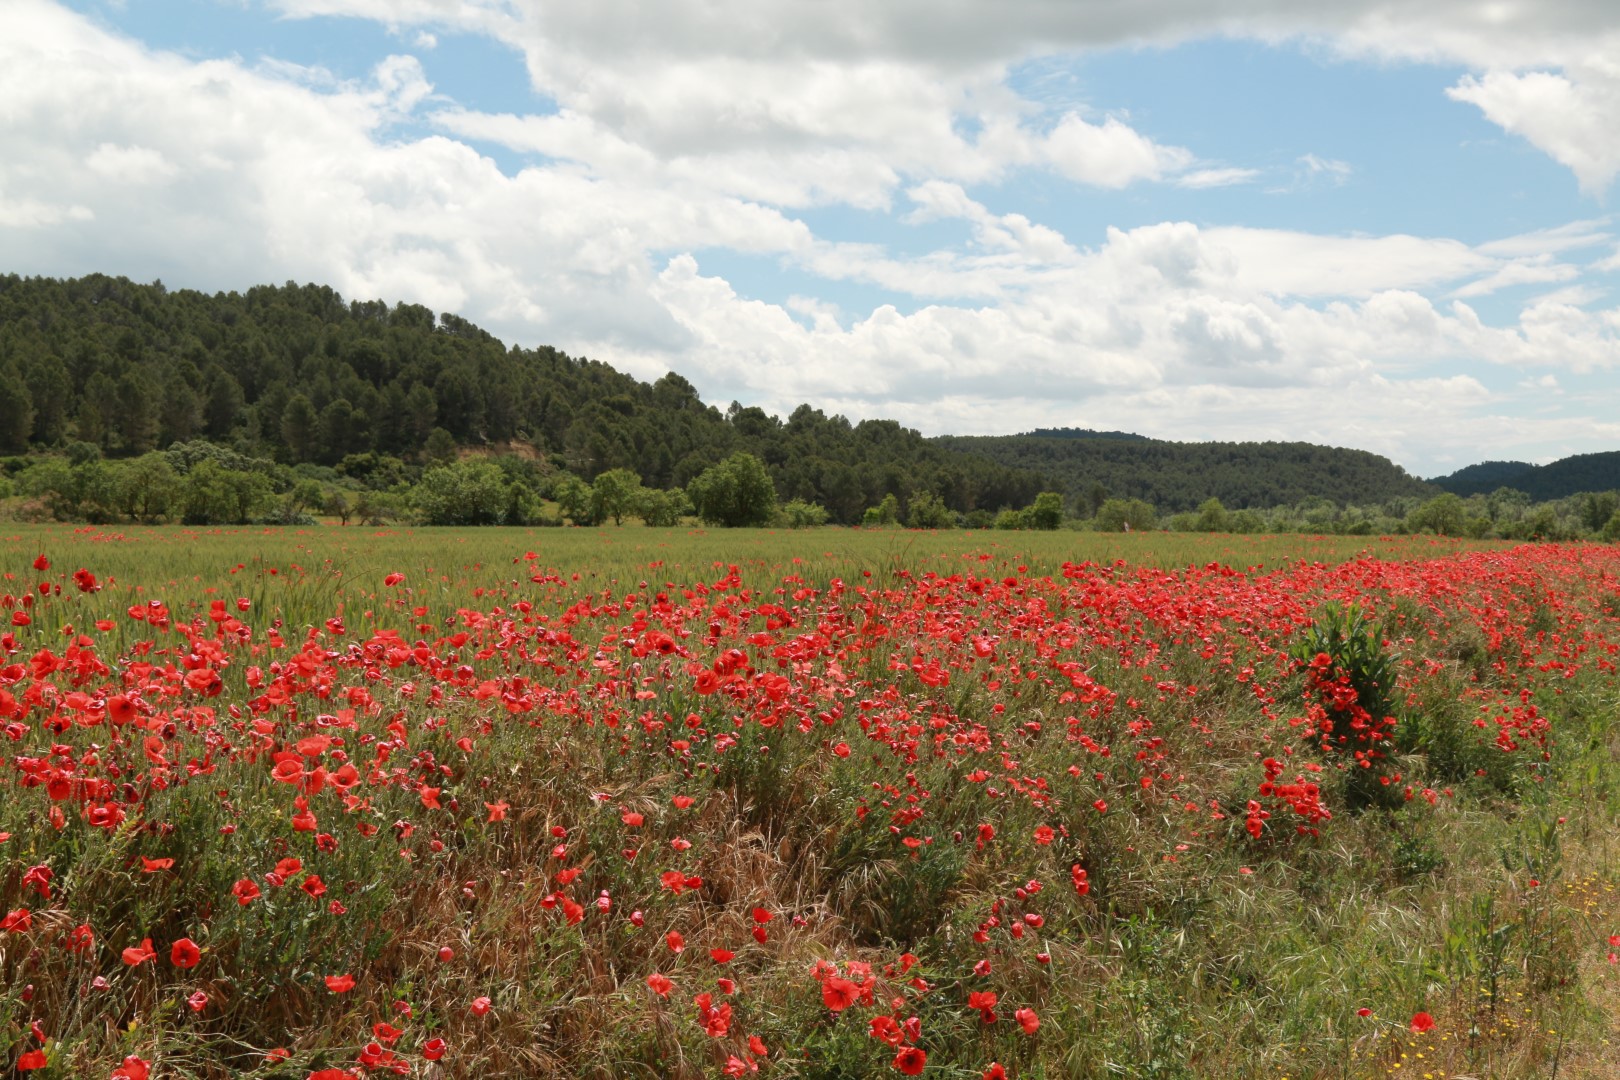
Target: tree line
129,402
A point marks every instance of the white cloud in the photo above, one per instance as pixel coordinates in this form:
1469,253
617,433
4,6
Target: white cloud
678,132
1570,237
1545,71
1333,170
1534,271
130,164
1199,179
1110,154
1573,122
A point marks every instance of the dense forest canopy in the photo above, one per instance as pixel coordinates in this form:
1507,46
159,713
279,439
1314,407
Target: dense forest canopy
1558,480
1177,476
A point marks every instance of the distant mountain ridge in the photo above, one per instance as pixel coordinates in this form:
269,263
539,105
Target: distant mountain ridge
1556,480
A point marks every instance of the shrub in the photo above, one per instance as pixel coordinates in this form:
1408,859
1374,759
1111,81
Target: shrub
798,514
1348,684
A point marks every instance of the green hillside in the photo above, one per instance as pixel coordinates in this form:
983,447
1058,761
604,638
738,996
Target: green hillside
1176,476
295,375
1562,478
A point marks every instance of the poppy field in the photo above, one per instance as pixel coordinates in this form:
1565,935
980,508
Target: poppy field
339,802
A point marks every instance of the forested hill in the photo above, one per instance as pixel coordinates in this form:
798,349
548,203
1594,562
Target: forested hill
1176,476
296,374
1561,478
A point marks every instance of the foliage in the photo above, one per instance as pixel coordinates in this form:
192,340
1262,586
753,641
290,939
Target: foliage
663,509
737,492
614,494
1178,476
1125,515
1046,512
886,512
466,493
798,514
928,511
296,374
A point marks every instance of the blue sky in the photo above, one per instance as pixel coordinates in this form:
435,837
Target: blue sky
1386,226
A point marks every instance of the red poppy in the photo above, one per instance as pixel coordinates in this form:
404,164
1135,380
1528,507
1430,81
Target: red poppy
340,984
434,1049
80,939
140,954
184,953
910,1061
1422,1022
660,984
838,994
33,1059
133,1068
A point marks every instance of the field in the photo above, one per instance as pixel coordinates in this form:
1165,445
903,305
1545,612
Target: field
344,802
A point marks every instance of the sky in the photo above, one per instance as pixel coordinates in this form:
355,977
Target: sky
1382,225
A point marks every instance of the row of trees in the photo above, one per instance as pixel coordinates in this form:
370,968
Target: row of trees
199,483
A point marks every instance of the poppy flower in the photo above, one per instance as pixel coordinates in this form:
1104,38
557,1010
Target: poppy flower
340,984
80,939
660,984
198,1001
1422,1022
838,994
17,922
184,953
434,1049
245,891
1028,1020
885,1028
480,1006
910,1061
33,1059
133,1068
676,943
139,954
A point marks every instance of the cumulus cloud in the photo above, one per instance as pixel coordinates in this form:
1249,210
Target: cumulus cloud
679,130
